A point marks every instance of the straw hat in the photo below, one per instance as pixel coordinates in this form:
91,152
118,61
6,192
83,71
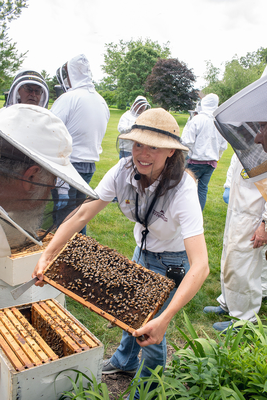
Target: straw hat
156,127
43,137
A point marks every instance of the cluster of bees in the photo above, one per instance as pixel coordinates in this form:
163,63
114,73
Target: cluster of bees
50,336
110,281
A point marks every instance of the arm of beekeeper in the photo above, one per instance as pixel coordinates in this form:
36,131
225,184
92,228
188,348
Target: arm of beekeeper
189,133
260,235
229,175
62,107
125,123
196,250
73,223
77,220
223,145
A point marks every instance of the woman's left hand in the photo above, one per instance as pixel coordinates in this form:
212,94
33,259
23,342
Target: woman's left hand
152,333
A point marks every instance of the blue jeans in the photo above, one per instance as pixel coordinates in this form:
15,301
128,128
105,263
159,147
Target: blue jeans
126,355
203,173
75,195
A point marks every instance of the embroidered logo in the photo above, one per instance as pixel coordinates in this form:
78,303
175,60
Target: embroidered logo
161,215
244,174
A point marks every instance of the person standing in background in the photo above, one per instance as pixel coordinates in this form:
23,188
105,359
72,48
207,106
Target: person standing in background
206,145
126,122
28,87
85,114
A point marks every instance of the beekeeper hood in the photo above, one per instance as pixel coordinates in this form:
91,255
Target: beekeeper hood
76,73
209,103
27,77
139,105
42,137
33,135
239,120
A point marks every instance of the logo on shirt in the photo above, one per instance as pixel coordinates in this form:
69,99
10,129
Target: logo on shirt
244,174
161,215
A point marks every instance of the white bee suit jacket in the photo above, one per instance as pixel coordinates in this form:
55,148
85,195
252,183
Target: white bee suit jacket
83,111
241,265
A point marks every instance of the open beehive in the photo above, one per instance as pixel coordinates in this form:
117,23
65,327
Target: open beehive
108,283
17,268
41,345
39,333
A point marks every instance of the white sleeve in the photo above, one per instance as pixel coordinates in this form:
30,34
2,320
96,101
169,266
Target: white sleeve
189,134
125,123
106,187
223,146
60,109
230,172
264,214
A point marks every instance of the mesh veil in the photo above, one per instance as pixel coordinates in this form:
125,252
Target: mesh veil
25,201
239,120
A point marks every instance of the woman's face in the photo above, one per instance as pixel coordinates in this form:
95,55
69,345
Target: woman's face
149,160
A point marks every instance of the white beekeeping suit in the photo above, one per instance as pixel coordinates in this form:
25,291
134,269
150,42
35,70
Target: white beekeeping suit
242,266
128,119
201,136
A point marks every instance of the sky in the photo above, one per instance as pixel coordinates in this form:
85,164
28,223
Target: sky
54,31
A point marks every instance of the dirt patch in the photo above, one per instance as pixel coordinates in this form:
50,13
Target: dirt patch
118,383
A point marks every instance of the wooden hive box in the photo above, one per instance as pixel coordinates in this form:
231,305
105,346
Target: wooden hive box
39,340
18,267
107,283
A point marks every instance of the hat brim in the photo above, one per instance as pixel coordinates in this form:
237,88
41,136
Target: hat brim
66,172
154,139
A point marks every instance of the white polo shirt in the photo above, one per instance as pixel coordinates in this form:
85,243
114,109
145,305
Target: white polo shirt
182,219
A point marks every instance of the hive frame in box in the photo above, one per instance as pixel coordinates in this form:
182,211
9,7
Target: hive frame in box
93,307
43,379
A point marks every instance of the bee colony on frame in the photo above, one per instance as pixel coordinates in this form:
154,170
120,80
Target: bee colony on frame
108,283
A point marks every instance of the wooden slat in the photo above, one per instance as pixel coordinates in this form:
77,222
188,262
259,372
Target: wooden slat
30,339
11,355
74,326
41,309
65,324
19,338
15,346
50,355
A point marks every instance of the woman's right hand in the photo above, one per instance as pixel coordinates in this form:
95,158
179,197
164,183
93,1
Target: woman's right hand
39,270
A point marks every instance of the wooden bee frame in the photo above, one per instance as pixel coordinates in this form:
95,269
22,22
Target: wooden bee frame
123,292
38,333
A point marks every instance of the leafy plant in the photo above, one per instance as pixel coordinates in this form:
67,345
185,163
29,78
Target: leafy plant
231,367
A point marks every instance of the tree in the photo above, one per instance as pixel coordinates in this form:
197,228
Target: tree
117,55
10,60
51,82
171,85
238,73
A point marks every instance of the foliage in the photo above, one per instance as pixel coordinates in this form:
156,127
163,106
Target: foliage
118,73
231,367
238,73
51,82
171,85
134,71
110,96
10,59
116,53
